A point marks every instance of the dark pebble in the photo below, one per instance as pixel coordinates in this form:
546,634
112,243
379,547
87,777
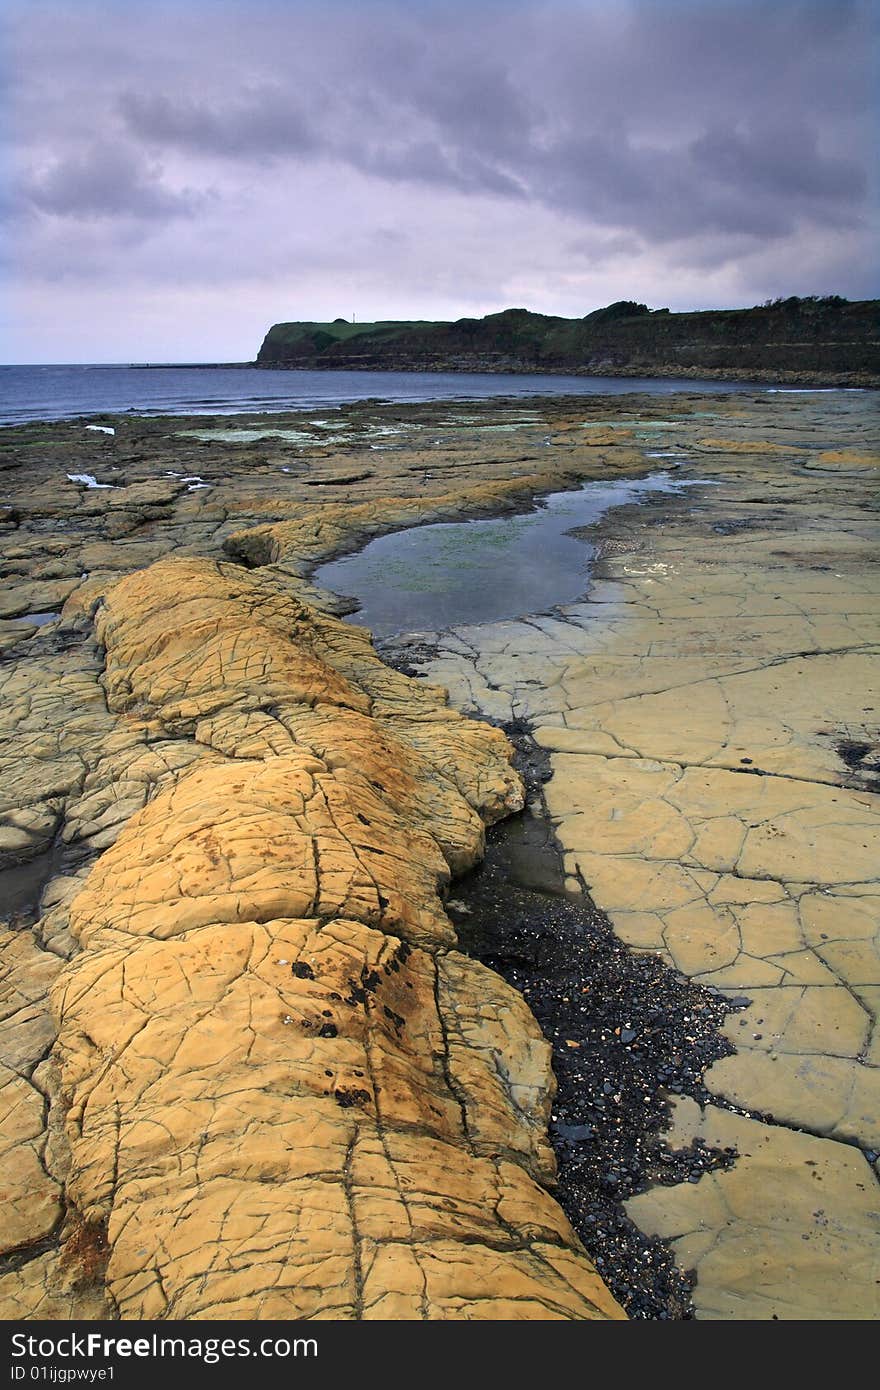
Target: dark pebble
583,985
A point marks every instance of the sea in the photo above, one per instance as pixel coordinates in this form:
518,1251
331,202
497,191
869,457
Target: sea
83,392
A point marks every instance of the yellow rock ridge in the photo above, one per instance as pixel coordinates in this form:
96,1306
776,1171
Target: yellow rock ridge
286,1094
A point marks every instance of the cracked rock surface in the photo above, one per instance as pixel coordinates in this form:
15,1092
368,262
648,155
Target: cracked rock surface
711,710
246,1073
267,1084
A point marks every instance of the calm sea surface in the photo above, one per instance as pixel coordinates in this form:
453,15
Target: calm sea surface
60,393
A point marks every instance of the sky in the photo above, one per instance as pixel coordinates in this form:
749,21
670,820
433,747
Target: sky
178,176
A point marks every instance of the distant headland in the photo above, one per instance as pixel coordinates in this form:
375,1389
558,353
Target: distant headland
813,340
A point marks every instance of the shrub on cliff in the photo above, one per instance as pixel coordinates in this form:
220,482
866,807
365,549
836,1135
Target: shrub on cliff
621,309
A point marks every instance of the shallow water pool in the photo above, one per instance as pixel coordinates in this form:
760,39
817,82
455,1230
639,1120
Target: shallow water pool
431,577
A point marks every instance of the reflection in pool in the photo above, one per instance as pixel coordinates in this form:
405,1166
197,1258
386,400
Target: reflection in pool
431,577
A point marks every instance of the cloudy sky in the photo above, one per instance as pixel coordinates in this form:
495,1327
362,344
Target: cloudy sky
177,176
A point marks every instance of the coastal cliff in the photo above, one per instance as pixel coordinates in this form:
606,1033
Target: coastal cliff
811,340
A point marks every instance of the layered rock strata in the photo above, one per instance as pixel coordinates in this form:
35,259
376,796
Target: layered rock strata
286,1095
820,340
711,717
746,635
74,772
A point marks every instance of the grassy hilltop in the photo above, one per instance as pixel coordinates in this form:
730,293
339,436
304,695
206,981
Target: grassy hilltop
815,339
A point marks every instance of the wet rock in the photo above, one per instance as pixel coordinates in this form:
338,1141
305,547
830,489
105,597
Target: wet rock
698,661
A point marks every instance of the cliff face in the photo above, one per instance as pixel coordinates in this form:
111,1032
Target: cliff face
822,340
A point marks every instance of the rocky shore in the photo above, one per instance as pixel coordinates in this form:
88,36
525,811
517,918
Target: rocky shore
249,1072
710,713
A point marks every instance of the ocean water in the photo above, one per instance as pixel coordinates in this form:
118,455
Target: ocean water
78,392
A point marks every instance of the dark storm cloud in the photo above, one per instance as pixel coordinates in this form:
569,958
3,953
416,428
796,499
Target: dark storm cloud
445,156
427,161
265,122
665,120
783,161
471,98
726,180
267,125
107,181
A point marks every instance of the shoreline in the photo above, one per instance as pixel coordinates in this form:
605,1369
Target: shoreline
138,517
621,1045
696,383
245,482
833,381
744,930
830,381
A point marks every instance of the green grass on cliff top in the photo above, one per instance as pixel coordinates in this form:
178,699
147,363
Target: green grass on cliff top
815,333
341,330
